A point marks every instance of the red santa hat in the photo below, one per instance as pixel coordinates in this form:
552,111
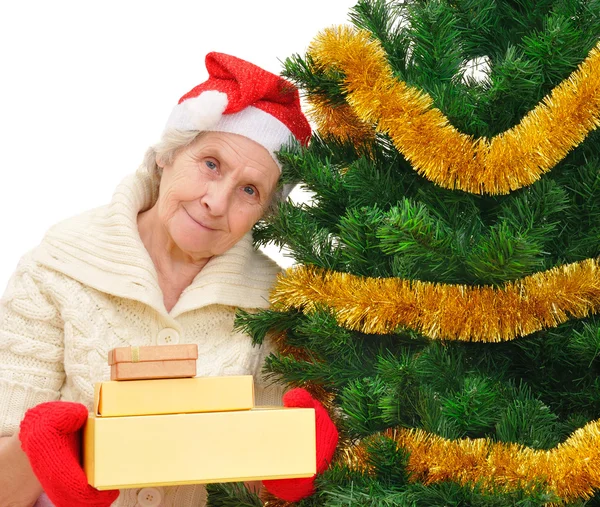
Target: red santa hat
243,99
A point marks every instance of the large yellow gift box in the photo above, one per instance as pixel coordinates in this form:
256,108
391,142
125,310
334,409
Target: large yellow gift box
174,396
164,450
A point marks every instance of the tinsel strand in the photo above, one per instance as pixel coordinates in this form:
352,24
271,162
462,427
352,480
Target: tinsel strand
438,151
571,470
339,121
487,314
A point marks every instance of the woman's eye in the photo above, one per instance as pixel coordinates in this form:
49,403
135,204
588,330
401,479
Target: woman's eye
250,190
211,165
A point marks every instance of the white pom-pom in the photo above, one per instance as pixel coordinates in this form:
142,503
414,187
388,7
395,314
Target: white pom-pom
198,113
206,109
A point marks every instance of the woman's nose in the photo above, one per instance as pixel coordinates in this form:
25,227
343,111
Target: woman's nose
216,198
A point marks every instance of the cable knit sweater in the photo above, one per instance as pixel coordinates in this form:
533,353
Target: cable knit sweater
91,286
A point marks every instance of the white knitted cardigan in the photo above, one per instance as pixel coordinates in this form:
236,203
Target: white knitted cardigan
91,286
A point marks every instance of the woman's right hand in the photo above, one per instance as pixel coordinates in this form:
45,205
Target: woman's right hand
294,490
50,437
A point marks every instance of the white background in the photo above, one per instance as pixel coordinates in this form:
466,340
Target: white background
86,86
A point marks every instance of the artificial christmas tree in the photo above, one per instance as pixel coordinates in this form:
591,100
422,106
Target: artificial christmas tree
445,302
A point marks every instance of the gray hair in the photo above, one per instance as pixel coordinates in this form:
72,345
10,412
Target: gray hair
172,142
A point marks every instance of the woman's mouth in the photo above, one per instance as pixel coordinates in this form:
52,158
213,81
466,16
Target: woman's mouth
201,224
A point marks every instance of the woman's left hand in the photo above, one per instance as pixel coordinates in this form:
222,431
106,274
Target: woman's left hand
293,490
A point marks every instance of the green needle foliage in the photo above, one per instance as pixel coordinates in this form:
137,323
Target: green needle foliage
231,495
486,64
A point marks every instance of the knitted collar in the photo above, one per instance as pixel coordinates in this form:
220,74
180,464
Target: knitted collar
102,248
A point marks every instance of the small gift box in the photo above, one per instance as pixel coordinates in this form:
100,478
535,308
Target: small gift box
174,396
152,362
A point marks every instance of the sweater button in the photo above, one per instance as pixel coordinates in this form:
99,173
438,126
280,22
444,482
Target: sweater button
167,336
149,497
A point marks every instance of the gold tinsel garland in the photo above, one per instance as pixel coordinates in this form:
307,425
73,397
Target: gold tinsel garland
339,121
508,161
442,311
571,470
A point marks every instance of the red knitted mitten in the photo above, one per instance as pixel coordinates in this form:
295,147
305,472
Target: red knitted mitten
50,438
293,490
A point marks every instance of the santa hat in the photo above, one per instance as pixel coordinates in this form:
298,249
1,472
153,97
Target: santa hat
244,99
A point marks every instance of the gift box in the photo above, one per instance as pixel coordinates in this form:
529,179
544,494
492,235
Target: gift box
152,362
166,450
172,396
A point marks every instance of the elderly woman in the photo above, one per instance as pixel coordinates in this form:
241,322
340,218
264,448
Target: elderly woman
167,261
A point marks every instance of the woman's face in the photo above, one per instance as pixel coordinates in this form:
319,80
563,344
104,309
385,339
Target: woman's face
215,190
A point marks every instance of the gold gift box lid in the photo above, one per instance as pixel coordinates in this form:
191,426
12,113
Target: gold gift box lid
173,396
